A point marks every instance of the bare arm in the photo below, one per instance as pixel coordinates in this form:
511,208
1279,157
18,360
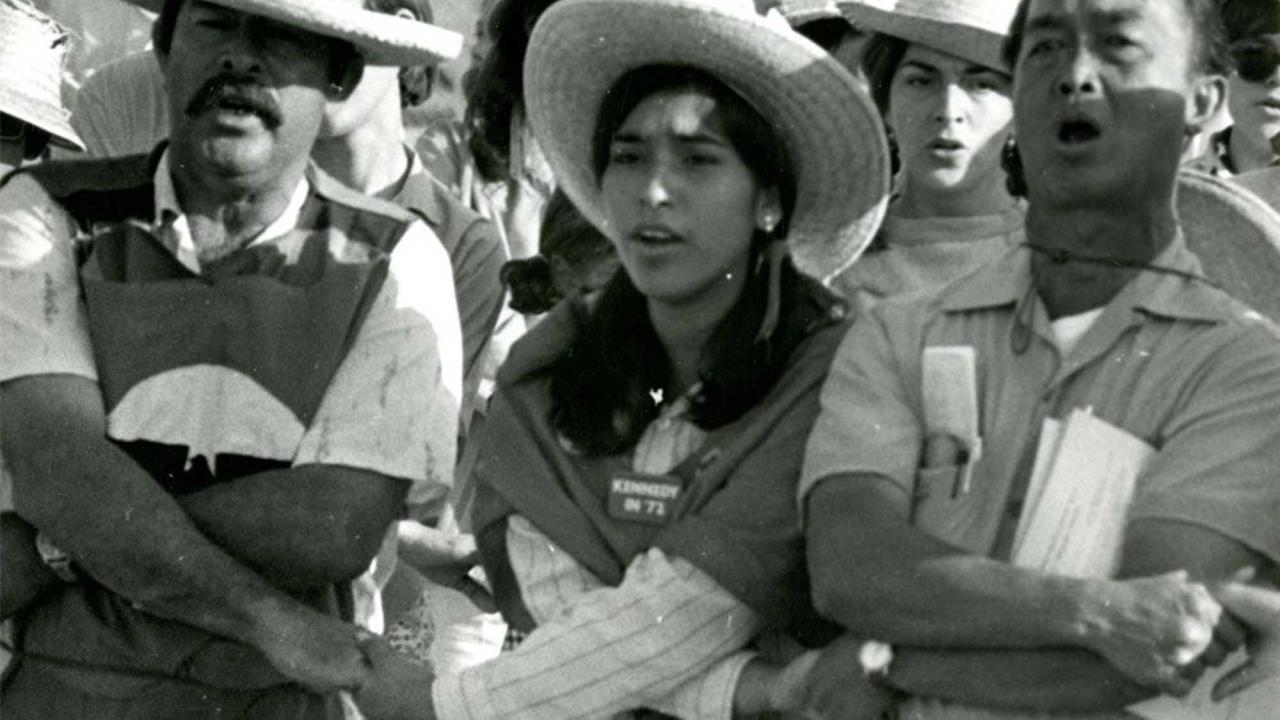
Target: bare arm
302,527
98,505
1073,679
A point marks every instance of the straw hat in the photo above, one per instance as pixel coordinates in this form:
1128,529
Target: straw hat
799,12
832,132
32,47
971,29
384,39
1264,183
1236,236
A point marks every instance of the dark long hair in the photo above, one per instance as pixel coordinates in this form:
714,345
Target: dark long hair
496,90
600,387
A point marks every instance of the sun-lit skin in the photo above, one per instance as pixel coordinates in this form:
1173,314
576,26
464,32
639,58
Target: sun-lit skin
1255,118
682,206
1105,93
950,118
1102,89
238,148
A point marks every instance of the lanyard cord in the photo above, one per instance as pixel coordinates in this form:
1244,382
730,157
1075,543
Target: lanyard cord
1020,337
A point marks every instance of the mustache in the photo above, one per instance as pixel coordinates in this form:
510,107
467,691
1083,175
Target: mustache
236,90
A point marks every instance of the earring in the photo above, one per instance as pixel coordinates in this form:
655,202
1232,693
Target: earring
335,88
768,221
1011,162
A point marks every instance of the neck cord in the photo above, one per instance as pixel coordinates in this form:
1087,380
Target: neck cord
1020,339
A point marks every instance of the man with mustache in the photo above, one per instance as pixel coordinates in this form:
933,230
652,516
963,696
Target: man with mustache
910,535
224,376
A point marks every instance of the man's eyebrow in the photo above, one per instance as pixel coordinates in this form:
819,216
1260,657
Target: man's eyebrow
1046,23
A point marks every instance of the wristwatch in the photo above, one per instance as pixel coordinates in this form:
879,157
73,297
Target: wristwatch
875,657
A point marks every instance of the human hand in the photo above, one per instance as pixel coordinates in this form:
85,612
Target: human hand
444,558
1153,628
829,683
315,650
1259,609
399,688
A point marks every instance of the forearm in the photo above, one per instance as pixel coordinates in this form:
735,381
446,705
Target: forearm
1063,680
303,527
884,579
95,503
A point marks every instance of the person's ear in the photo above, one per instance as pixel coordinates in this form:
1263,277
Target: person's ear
1205,102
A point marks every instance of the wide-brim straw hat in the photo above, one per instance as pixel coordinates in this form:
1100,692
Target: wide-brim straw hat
971,29
32,47
832,132
384,39
1236,236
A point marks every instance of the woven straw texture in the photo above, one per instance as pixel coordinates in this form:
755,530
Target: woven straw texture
384,39
1237,237
833,134
971,29
31,51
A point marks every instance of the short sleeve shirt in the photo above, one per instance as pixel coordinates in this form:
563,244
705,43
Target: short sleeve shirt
1173,361
391,406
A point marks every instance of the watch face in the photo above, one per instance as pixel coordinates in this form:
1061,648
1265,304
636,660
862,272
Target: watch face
875,657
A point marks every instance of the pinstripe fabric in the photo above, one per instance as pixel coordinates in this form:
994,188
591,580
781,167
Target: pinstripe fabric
666,638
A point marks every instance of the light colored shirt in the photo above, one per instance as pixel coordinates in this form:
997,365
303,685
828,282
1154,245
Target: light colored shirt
668,638
920,254
391,407
1172,361
122,108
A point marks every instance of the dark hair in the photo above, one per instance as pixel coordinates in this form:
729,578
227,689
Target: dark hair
416,81
340,57
1244,19
573,258
1212,51
880,60
600,387
495,91
827,32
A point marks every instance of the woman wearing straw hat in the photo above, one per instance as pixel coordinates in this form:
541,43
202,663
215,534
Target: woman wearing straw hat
635,506
937,75
32,51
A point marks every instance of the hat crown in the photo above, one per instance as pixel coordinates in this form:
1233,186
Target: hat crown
32,50
994,16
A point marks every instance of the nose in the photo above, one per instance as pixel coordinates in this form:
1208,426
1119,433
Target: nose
952,104
657,188
1080,75
242,51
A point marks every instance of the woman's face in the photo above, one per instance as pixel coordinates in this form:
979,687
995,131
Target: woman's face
951,118
682,206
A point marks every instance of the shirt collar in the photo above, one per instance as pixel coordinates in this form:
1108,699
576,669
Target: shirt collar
175,232
1006,281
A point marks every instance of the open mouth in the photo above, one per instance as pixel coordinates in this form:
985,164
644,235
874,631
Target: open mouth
1075,132
943,145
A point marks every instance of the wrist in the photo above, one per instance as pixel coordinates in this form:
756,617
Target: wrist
1088,605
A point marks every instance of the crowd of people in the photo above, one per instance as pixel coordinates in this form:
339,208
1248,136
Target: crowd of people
726,358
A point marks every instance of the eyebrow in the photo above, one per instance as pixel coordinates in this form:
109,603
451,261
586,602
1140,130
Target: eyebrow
920,65
688,138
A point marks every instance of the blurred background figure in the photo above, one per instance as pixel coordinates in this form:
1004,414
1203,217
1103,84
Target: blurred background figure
33,51
491,159
822,22
575,259
1253,91
937,73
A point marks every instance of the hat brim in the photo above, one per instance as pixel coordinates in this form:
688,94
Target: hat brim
384,39
962,40
51,119
1236,235
832,132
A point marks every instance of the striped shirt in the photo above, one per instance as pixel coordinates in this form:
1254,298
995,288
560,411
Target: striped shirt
665,638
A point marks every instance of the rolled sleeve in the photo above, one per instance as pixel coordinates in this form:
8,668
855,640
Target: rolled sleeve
393,404
43,324
1219,463
868,422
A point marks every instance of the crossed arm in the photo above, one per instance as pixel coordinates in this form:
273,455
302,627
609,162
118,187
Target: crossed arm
978,631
